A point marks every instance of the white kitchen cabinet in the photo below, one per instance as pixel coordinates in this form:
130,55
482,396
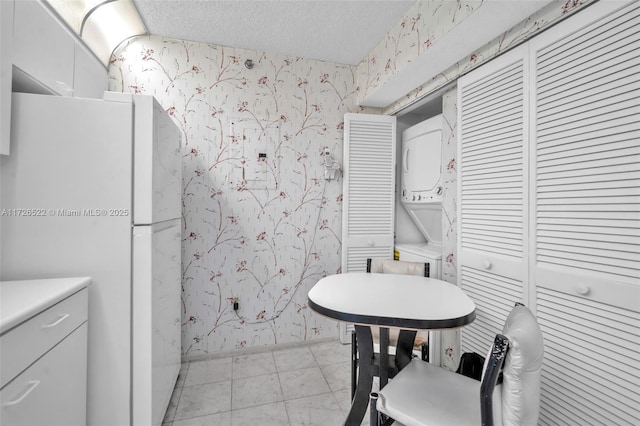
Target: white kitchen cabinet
568,244
47,393
43,48
6,61
43,343
49,58
89,75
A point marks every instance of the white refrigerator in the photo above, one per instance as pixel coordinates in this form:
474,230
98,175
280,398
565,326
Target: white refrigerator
93,188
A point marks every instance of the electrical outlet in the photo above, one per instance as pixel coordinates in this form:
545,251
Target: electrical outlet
236,304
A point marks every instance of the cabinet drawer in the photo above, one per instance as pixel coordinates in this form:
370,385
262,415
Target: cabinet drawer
52,391
25,343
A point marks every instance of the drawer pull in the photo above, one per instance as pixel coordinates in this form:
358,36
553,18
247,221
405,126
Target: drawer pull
32,384
58,321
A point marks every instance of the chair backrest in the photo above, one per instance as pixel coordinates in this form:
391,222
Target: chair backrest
390,266
522,368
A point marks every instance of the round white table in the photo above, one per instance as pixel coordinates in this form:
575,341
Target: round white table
407,302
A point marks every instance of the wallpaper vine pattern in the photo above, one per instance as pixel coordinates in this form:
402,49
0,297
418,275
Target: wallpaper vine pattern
450,355
422,26
425,23
261,225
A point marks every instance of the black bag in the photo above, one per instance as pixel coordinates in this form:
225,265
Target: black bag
471,364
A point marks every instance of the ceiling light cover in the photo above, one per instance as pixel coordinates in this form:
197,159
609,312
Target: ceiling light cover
109,25
101,24
73,11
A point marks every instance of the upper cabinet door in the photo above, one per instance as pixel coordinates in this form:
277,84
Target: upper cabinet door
369,189
89,75
493,115
43,48
6,60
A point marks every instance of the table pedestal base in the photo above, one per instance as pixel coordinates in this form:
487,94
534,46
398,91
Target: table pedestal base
370,365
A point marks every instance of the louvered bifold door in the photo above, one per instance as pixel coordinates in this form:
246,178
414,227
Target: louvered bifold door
492,177
369,180
369,185
586,226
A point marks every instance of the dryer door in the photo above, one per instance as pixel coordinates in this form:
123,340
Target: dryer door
421,161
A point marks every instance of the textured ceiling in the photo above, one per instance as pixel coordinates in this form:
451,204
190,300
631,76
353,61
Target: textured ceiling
337,31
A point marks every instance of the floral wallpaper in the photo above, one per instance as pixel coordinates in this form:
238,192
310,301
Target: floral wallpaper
261,224
449,339
425,23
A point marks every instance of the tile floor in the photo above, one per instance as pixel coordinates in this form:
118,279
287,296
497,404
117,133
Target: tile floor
301,386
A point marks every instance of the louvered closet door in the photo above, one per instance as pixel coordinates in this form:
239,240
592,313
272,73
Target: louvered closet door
492,116
586,198
369,184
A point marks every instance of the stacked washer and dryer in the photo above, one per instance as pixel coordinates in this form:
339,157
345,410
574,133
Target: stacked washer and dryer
421,197
421,191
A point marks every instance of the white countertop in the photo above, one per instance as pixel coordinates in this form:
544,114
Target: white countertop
20,300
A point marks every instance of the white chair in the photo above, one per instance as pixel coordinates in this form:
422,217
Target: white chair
423,394
421,342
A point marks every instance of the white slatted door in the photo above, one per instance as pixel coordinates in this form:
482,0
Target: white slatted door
586,198
369,185
493,208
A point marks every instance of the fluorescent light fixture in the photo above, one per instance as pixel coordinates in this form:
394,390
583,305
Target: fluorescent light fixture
74,11
101,24
109,25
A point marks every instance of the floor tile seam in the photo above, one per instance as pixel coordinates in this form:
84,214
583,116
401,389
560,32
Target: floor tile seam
258,405
318,394
231,394
205,383
189,417
186,373
326,382
205,360
298,368
252,377
314,356
309,395
328,363
256,350
262,405
175,410
240,378
347,387
308,368
200,415
282,393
